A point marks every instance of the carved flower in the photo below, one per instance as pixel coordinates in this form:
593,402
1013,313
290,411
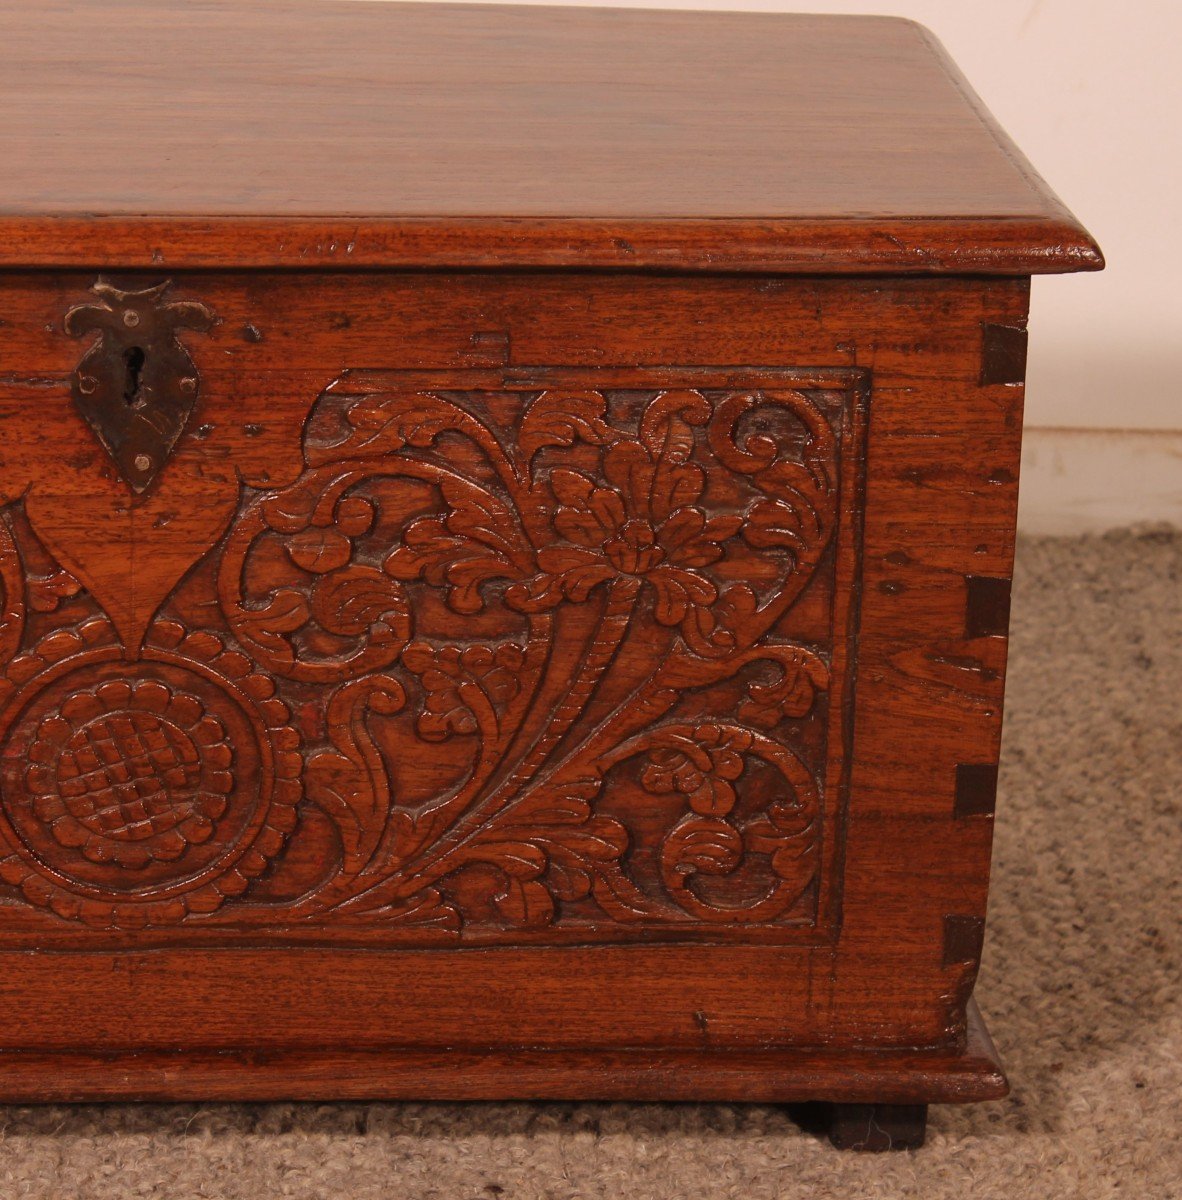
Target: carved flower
130,773
460,683
701,765
640,522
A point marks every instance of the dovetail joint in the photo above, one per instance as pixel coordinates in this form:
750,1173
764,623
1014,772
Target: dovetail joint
976,790
987,607
1003,354
964,938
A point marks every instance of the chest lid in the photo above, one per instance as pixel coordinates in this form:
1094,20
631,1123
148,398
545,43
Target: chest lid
313,133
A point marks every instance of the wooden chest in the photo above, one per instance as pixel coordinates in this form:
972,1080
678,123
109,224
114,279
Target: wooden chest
505,549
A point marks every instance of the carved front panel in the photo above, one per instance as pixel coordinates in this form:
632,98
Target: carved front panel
553,657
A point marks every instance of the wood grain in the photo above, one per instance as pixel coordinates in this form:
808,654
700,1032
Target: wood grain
307,133
762,1077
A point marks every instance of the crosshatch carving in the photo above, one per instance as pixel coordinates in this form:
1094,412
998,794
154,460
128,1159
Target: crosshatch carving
559,657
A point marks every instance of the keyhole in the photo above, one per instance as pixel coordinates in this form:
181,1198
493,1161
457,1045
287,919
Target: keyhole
133,377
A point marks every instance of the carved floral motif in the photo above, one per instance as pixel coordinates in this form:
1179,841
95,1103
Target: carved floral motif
572,622
140,793
130,772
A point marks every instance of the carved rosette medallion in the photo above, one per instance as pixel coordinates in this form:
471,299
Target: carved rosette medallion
130,773
178,770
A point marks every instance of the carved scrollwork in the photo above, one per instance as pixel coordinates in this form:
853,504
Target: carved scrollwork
702,764
362,610
541,664
580,511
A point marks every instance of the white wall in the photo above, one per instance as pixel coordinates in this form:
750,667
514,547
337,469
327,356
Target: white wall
1090,90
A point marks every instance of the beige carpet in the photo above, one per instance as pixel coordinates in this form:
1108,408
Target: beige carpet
1081,988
